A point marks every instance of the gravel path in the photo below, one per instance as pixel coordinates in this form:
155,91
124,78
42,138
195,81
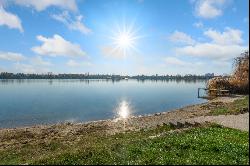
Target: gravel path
240,121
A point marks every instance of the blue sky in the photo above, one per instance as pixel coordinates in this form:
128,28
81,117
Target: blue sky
122,36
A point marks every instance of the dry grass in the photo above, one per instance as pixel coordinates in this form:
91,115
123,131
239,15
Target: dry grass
238,82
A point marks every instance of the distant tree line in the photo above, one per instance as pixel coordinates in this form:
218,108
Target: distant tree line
6,75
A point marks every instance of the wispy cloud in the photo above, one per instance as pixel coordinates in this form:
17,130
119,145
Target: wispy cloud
180,63
41,5
198,24
73,63
73,24
222,46
57,46
10,20
38,61
112,52
175,61
212,51
229,36
11,56
180,37
29,68
209,8
33,65
175,65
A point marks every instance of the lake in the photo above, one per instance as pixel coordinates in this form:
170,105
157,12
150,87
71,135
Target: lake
32,102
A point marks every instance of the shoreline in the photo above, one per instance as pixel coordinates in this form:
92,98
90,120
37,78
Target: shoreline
133,123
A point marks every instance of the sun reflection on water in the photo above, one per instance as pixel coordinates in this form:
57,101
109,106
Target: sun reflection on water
123,110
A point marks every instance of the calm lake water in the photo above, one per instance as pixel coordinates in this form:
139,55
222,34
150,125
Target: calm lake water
30,102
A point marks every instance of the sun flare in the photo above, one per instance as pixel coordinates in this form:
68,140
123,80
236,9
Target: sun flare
124,40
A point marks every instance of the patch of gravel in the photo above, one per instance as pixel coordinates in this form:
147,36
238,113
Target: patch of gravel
227,99
240,121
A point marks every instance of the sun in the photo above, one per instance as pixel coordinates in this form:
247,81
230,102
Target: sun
124,40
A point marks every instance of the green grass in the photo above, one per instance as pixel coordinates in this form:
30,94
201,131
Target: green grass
235,107
211,144
219,111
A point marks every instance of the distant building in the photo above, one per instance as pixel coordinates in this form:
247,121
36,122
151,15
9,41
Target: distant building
209,75
50,73
225,75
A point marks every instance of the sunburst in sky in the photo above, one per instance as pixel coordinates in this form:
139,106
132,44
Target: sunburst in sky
124,39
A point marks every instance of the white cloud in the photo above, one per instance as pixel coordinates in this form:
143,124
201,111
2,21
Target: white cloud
10,20
180,37
229,36
73,63
223,45
57,46
198,24
209,8
11,56
40,5
76,24
212,50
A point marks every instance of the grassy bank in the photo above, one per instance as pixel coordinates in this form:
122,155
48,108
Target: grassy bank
236,107
211,144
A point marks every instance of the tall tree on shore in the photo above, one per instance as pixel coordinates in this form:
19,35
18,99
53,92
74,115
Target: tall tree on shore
240,77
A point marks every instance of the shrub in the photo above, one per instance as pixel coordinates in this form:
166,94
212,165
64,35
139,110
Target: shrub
238,82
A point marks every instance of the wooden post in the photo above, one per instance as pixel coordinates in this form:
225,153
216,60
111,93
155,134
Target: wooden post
198,92
215,92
